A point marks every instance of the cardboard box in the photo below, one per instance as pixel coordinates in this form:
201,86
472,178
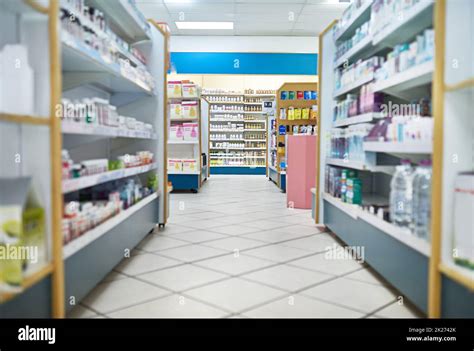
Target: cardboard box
189,90
191,131
175,165
174,88
176,110
190,109
176,132
22,232
189,165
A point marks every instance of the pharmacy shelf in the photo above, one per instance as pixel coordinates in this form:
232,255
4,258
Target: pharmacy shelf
226,131
227,148
70,185
459,274
255,130
254,112
248,166
360,166
183,98
228,112
228,120
398,148
182,142
184,119
353,86
255,148
401,234
83,64
253,103
255,121
225,102
88,129
124,18
351,210
256,140
221,94
30,280
362,49
226,139
400,84
406,25
359,17
260,95
363,118
90,236
21,119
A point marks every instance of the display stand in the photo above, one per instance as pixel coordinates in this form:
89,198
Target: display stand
410,263
85,74
237,132
186,150
290,95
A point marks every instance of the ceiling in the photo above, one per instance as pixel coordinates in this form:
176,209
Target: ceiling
258,17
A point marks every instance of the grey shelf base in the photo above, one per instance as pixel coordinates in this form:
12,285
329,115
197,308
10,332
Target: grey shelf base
86,268
403,267
456,300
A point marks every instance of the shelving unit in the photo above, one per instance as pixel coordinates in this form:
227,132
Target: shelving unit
451,284
392,249
78,72
278,162
245,111
187,150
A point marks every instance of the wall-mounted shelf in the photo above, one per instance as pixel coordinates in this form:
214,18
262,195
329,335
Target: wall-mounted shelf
360,16
182,142
360,165
353,86
88,129
398,148
70,185
363,118
87,238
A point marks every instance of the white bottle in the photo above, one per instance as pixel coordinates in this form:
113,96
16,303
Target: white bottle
401,195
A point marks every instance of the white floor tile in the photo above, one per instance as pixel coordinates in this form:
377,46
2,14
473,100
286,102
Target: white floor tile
182,278
173,229
159,242
174,306
296,228
197,236
365,275
114,276
235,294
234,244
301,307
266,224
235,264
192,253
277,253
397,310
316,243
272,236
321,263
287,277
203,224
107,297
361,296
234,229
144,263
81,312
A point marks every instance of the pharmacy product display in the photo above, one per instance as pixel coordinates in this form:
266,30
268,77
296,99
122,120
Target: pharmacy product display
377,116
97,78
184,137
297,113
238,130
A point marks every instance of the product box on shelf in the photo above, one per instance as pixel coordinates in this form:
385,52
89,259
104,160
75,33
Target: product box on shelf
176,132
463,241
175,110
189,90
174,89
189,165
189,109
22,232
175,165
190,131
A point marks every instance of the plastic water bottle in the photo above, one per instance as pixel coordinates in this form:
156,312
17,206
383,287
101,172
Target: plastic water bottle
401,195
421,216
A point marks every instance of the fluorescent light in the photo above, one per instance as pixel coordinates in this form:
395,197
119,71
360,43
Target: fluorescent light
205,25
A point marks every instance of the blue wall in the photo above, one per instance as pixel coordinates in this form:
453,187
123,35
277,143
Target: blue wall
243,63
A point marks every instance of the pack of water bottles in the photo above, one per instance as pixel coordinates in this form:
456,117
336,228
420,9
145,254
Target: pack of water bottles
410,198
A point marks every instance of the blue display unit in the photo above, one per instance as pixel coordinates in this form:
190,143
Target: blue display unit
277,178
184,181
238,170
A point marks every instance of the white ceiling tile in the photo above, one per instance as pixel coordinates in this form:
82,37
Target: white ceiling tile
205,32
200,7
322,8
268,8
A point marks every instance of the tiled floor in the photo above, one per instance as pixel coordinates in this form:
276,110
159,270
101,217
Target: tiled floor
235,250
